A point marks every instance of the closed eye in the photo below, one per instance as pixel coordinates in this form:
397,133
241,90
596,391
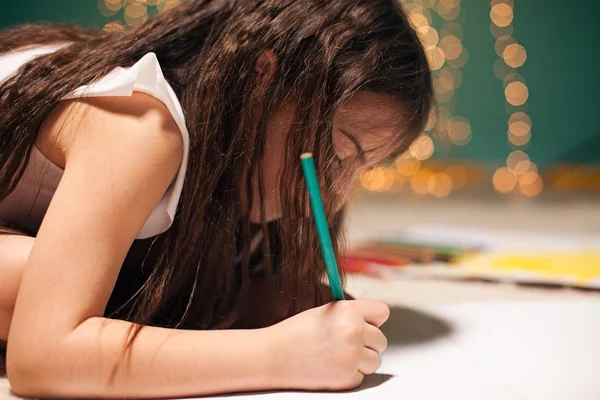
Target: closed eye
359,151
357,147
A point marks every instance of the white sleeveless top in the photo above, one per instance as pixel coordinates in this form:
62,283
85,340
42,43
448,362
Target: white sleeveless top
28,203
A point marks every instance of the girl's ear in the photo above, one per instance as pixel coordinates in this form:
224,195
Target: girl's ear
266,64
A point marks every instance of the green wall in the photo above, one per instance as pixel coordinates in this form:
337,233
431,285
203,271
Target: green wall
83,12
561,39
561,71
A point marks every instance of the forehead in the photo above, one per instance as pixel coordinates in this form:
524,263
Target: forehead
372,118
369,107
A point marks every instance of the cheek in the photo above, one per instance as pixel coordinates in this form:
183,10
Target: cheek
346,184
343,146
271,174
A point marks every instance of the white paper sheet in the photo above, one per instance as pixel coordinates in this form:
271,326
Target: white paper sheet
509,350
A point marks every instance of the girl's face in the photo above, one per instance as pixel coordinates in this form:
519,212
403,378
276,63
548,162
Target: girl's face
361,129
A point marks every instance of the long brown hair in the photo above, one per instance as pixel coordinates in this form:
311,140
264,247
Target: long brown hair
326,50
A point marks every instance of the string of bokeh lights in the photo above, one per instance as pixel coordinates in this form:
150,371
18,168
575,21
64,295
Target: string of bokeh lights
447,55
135,12
520,173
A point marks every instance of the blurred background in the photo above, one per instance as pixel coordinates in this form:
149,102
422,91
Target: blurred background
517,88
512,150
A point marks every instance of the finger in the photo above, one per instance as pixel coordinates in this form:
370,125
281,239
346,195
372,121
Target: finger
374,339
357,380
373,312
370,362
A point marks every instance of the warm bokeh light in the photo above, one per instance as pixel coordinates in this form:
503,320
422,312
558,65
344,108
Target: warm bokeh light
373,179
519,140
462,60
114,27
429,36
135,11
520,117
504,180
530,175
510,109
452,14
418,20
426,3
439,185
502,42
519,128
113,5
498,31
443,82
399,179
523,167
451,29
501,70
501,14
448,9
445,97
436,58
457,76
532,189
164,5
389,179
422,148
414,9
443,118
516,93
420,181
519,124
515,158
458,175
407,166
513,77
459,131
509,2
449,3
514,55
431,120
136,14
106,9
452,47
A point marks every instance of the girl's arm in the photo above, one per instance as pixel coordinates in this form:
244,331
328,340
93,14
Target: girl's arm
118,166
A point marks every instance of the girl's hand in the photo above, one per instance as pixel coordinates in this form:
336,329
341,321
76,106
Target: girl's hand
331,347
267,304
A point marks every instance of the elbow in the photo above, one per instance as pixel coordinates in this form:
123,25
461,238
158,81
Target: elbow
28,374
22,375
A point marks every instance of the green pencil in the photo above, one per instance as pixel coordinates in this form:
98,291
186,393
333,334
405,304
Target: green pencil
322,227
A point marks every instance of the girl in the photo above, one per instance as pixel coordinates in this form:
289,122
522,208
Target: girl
153,200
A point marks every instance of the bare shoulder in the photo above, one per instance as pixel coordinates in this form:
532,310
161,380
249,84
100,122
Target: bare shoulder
138,121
